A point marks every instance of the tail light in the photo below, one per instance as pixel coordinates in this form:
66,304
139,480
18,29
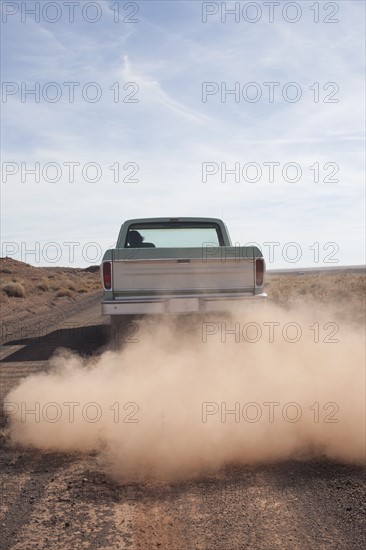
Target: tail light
259,272
107,275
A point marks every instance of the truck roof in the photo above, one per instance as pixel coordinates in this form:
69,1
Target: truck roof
165,220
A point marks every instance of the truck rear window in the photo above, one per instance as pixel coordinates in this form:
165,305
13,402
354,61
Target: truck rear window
173,235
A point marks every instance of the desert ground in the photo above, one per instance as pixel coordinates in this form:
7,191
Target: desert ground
65,491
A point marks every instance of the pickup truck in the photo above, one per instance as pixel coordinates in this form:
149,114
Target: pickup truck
178,266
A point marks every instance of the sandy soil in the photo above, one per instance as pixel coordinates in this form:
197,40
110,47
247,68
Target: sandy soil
50,295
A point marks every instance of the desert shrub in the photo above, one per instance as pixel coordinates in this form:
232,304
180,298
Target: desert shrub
97,285
14,290
43,285
68,283
64,292
7,271
82,290
64,284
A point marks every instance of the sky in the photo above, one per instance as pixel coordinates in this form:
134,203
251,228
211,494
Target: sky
251,112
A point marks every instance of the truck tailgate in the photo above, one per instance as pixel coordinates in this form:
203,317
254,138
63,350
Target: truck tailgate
147,270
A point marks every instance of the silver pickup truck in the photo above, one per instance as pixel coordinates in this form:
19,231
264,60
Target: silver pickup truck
176,266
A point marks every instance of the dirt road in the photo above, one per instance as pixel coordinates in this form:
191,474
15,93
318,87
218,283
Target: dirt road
66,501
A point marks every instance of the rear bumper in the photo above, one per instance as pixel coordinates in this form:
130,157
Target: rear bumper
177,305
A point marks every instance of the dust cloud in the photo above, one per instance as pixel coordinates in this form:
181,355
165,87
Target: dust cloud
179,398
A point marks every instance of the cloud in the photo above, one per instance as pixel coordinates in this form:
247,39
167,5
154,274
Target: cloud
152,92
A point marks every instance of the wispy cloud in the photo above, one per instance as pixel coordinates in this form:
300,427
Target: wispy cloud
153,93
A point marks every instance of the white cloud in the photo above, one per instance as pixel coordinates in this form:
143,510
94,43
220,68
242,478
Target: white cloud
153,93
